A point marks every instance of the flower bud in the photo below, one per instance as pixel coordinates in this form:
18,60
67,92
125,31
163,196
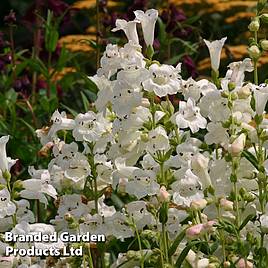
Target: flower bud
244,92
226,264
2,186
199,204
213,265
194,231
145,102
264,44
44,151
208,227
226,204
231,86
264,17
225,94
244,264
18,185
254,52
163,195
254,25
68,217
238,145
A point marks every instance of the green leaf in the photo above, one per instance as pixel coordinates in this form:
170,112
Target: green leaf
89,83
176,243
28,126
72,112
185,252
251,158
192,19
246,220
162,35
85,101
11,96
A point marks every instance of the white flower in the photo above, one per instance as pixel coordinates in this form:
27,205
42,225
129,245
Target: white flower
60,122
220,177
195,261
189,116
5,162
79,168
236,74
138,212
199,164
133,75
215,48
191,89
7,207
23,211
110,62
164,80
117,226
148,20
125,98
129,28
213,106
187,188
261,97
264,223
3,154
216,134
143,184
38,186
90,126
158,140
131,56
238,145
105,92
175,216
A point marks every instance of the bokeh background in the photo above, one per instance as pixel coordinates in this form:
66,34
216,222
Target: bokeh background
45,60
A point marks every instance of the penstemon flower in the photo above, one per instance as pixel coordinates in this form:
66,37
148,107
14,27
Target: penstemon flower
147,20
169,186
129,28
215,48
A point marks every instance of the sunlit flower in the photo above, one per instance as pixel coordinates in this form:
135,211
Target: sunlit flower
147,20
215,48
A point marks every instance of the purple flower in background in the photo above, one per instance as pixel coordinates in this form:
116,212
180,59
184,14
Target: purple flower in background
41,6
190,66
10,19
137,5
58,7
2,42
2,65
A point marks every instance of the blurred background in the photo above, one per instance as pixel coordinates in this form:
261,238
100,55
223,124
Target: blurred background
49,47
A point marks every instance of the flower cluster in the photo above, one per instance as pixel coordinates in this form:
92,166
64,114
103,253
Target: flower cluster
182,185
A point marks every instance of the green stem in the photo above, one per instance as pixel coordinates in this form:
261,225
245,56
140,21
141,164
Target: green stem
49,76
139,242
98,33
255,61
255,73
165,244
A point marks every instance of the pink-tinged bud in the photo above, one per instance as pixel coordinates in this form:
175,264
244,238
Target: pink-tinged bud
238,145
199,204
226,264
208,227
244,264
195,231
163,195
145,102
244,92
226,204
44,151
213,265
